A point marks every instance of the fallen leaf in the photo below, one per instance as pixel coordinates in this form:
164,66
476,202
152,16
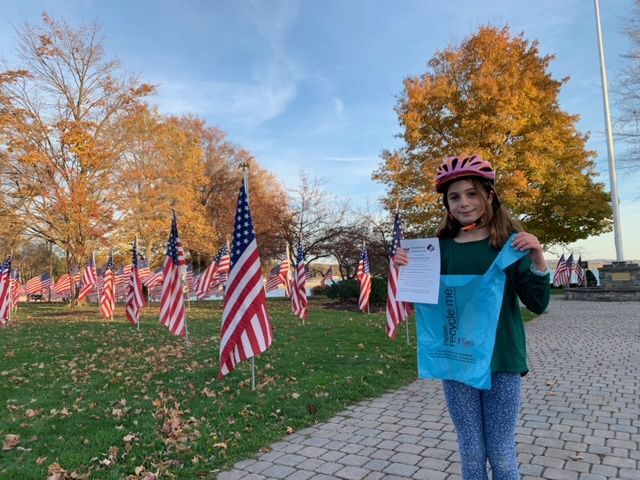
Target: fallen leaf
41,460
208,393
55,472
33,413
10,441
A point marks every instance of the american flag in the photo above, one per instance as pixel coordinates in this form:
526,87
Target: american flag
108,300
328,276
204,280
172,313
364,277
89,280
563,273
38,283
143,270
122,277
559,273
579,272
215,275
299,287
246,327
566,277
63,284
397,312
223,261
285,274
5,290
154,279
121,288
191,279
76,275
135,299
273,279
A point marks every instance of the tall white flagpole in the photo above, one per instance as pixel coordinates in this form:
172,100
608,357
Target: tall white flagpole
615,199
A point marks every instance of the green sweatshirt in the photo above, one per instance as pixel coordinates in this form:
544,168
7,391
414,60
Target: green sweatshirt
474,258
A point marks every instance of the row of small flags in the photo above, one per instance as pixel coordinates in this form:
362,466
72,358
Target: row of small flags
246,329
565,269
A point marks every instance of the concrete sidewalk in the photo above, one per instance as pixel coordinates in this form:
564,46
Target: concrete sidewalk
580,417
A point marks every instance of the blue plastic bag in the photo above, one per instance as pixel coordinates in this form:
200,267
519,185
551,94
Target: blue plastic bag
456,336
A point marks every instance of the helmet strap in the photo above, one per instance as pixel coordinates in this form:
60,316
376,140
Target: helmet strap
471,227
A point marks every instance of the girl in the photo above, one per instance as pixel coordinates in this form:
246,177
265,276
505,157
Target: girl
475,229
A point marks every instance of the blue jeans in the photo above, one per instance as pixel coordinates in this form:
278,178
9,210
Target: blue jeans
485,422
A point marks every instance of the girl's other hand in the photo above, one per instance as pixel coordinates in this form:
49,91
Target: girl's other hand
401,258
527,241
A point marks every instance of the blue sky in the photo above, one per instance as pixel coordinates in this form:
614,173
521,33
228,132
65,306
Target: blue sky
305,84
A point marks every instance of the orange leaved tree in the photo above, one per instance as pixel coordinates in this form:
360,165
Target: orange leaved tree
493,95
62,112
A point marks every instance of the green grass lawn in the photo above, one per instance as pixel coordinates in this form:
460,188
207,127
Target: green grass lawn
107,401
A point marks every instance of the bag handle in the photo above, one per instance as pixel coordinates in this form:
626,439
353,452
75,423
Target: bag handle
508,255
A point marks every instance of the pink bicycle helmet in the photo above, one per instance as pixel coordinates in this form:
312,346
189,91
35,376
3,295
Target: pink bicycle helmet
455,168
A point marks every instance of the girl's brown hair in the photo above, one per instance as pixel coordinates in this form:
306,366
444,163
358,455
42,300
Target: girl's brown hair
500,222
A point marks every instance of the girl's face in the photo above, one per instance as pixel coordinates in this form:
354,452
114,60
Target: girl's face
467,203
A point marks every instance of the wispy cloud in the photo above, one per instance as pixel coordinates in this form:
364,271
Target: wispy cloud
240,103
272,84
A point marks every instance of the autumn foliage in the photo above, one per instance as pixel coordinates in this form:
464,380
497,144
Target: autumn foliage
90,164
493,95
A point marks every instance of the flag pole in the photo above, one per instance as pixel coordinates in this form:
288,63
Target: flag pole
186,288
97,282
114,285
613,182
305,265
364,245
186,324
183,284
186,331
287,288
406,321
50,267
245,180
10,293
135,248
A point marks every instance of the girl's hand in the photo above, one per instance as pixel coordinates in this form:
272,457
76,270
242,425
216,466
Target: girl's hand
401,258
527,241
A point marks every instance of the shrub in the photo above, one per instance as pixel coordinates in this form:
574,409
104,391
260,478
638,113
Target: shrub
344,290
318,291
349,291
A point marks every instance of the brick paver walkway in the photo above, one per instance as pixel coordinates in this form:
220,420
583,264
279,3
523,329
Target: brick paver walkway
580,417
